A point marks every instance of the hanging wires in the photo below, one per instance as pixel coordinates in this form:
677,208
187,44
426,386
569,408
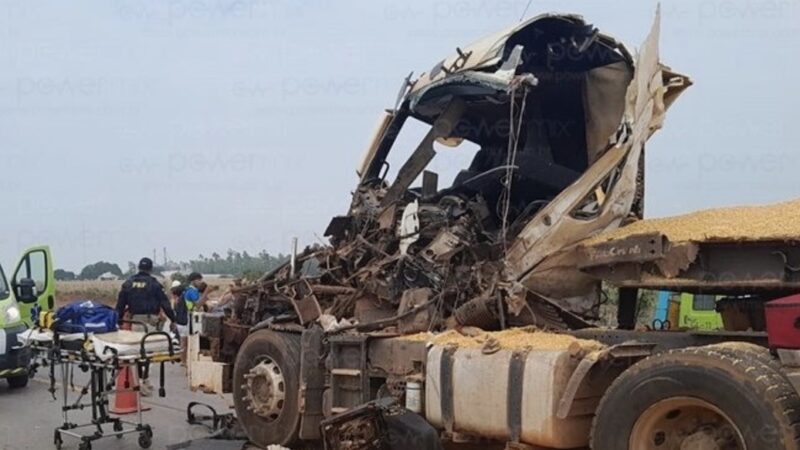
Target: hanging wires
515,120
525,11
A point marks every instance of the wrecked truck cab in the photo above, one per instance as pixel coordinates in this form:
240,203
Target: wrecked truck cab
554,86
560,113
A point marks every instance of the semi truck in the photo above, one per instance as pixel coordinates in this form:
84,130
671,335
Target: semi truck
470,313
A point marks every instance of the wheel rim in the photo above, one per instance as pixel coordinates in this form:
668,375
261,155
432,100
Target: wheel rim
265,389
685,423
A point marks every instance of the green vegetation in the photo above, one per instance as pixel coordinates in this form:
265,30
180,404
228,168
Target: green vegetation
236,264
93,271
64,275
240,264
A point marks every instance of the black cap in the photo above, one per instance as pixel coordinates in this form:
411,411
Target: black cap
194,276
146,264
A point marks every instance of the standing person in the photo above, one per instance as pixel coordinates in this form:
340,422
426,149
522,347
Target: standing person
197,292
191,295
142,297
227,298
181,316
176,289
192,298
195,296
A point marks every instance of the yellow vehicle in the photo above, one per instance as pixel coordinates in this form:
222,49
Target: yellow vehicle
687,311
32,284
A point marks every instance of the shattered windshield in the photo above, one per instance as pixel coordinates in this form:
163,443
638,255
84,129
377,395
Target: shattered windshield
505,139
450,158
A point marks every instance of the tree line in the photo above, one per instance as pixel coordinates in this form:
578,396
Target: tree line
235,264
240,264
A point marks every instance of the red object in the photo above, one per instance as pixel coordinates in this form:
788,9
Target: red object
783,322
125,400
125,325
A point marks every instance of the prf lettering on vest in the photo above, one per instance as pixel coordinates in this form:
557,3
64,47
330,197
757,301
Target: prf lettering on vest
138,285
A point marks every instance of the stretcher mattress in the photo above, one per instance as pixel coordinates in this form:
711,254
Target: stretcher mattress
123,343
128,343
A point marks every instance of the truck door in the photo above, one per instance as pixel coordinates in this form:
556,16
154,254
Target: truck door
698,312
36,266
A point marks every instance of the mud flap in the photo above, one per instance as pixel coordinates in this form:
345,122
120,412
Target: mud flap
379,425
409,430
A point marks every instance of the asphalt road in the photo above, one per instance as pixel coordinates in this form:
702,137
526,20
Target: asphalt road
28,416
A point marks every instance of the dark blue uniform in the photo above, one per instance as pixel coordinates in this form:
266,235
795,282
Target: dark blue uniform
143,294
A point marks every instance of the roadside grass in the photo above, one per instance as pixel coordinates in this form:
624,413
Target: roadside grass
104,291
101,291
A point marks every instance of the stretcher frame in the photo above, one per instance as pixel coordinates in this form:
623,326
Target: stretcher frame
101,385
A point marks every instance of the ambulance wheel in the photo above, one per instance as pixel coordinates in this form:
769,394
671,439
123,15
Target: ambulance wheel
117,428
18,382
266,385
698,398
145,440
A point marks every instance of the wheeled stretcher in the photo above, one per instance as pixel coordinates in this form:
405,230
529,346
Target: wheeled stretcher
102,357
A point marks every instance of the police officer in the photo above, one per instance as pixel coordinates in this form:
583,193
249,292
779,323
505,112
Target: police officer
143,298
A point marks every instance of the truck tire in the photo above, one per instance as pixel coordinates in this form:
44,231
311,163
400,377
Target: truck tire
18,382
698,398
754,351
266,387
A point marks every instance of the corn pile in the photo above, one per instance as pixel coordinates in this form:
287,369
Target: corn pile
780,221
511,339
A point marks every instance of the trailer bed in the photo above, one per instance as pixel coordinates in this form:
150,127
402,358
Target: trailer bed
722,251
775,222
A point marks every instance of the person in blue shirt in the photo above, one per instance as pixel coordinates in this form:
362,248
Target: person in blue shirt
192,295
195,295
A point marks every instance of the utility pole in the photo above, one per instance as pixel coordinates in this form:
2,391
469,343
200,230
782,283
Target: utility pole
293,260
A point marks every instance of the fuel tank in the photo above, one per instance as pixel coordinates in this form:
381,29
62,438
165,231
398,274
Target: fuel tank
509,396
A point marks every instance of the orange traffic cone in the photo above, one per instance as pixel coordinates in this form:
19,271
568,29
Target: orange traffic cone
125,400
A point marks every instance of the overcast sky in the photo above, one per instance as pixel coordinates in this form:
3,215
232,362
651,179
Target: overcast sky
203,125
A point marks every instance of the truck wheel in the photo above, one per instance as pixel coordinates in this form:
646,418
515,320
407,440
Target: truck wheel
18,382
757,352
698,398
266,385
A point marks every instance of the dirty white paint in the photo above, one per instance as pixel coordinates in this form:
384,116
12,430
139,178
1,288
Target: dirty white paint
480,392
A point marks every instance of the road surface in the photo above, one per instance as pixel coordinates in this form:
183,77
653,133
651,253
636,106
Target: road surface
28,416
